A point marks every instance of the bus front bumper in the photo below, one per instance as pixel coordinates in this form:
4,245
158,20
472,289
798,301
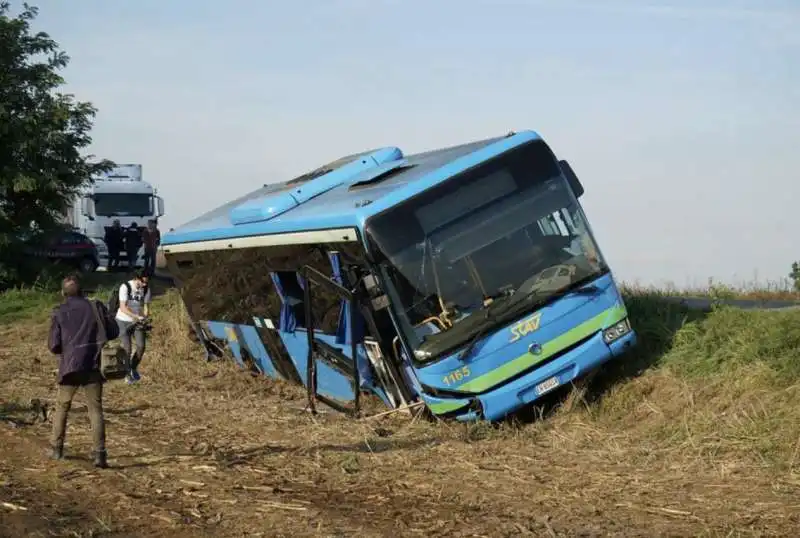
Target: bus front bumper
506,399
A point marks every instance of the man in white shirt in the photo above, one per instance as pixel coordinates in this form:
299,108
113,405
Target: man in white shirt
134,306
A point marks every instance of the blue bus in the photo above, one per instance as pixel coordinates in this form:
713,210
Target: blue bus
465,280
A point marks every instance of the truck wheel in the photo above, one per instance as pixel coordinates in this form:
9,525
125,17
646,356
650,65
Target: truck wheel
87,265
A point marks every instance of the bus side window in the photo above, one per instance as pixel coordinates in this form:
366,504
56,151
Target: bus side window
292,295
325,304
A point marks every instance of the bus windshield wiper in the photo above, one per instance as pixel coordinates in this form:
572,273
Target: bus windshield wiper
575,287
490,314
488,321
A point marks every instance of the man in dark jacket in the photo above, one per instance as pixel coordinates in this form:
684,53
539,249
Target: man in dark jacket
133,242
114,241
152,239
77,334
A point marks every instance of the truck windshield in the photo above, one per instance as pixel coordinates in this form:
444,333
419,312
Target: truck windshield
505,237
122,205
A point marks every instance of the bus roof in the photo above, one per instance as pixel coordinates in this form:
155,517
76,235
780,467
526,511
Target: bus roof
336,197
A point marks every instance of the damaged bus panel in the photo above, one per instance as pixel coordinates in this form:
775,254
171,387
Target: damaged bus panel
466,279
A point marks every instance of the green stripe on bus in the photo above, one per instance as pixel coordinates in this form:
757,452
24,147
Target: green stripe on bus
440,408
513,367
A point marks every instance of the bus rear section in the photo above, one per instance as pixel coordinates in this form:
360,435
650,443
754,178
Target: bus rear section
496,284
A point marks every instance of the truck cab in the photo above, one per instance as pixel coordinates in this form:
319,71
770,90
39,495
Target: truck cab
120,194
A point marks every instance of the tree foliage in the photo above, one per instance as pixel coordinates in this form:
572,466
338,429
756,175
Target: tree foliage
42,135
795,275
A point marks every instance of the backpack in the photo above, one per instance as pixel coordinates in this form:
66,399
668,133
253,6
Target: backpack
113,301
114,362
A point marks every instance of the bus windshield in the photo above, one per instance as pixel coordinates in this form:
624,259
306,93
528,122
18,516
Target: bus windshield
502,237
122,205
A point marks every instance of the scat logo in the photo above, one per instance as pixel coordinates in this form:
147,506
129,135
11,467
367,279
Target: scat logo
524,327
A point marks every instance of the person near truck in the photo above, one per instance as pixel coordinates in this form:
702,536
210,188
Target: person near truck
77,331
114,242
152,239
133,242
134,307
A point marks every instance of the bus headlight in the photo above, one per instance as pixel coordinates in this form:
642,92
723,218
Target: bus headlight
616,331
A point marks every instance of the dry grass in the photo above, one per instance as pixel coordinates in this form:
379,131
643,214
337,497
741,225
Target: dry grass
698,433
778,290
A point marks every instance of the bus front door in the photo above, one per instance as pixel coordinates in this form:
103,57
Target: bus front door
333,356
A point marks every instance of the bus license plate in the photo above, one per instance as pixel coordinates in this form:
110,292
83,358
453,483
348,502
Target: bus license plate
546,385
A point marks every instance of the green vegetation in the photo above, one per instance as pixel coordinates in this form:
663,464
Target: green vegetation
34,302
44,133
781,290
733,339
795,276
20,304
695,343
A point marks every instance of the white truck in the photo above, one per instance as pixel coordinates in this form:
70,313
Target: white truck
119,194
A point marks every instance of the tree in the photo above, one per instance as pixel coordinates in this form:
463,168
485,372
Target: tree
795,275
42,135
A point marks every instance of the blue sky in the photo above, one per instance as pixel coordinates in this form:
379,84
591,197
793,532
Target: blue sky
682,118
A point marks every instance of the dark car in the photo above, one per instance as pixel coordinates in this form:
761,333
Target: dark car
68,247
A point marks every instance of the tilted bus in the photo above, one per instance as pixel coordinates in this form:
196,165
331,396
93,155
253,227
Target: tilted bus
467,278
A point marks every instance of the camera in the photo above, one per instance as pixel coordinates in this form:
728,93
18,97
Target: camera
145,324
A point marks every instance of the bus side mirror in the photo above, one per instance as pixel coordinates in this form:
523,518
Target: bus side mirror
572,179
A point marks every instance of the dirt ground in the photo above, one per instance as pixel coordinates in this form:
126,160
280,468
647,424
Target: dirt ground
201,449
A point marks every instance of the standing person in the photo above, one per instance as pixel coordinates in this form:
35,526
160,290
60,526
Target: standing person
76,334
152,239
114,243
134,306
133,242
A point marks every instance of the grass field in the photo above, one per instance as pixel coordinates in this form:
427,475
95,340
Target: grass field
695,434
